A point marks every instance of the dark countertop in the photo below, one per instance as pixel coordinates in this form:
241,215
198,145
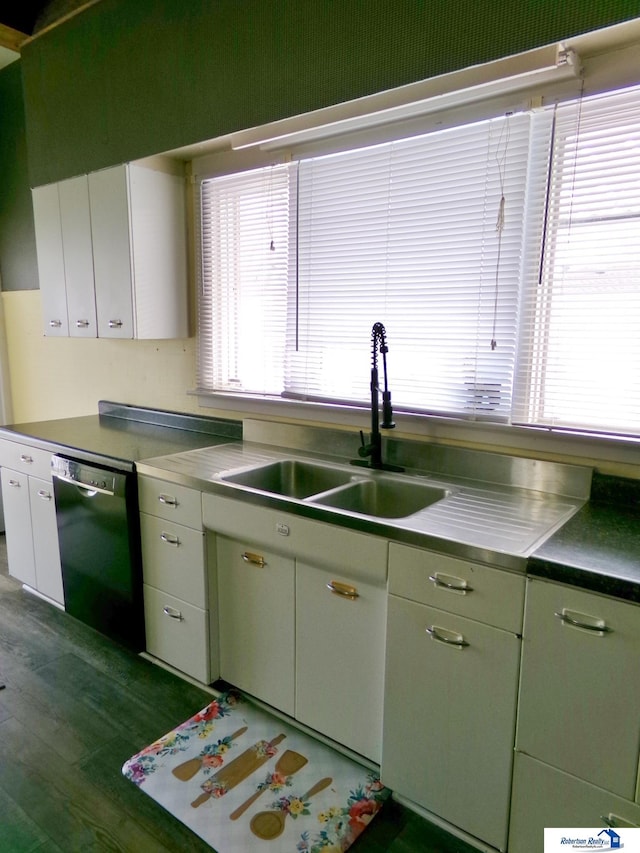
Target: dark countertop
599,548
124,434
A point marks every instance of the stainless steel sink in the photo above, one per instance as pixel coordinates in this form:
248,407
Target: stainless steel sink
383,497
291,477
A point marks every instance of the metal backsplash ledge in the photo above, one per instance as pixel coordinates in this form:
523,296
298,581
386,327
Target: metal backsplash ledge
538,475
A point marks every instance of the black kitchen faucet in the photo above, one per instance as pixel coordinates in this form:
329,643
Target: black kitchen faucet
371,453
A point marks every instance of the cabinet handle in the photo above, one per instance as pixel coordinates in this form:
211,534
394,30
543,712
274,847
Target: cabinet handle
28,460
169,539
115,324
615,820
55,324
578,623
455,587
46,496
14,483
172,613
82,324
456,640
343,589
167,500
254,559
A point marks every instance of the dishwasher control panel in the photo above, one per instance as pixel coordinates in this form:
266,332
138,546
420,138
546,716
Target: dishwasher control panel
87,476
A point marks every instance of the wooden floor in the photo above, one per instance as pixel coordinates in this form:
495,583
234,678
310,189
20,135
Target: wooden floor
75,706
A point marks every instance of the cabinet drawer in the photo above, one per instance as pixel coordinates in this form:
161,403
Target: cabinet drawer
324,545
167,500
458,586
173,559
543,796
21,457
177,633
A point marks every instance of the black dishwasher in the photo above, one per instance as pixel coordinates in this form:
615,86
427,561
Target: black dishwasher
99,535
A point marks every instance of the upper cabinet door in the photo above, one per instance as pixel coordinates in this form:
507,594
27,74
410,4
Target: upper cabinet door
48,228
78,256
108,199
158,233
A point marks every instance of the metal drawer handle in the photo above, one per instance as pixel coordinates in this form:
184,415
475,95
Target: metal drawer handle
169,539
343,589
14,483
82,324
167,500
254,559
612,819
115,324
55,324
576,623
459,642
461,587
172,613
28,460
46,496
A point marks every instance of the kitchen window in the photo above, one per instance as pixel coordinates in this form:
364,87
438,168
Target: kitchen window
502,257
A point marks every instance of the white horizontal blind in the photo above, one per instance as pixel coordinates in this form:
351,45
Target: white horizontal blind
244,240
407,234
581,330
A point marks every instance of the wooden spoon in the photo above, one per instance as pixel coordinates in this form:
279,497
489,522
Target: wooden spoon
188,769
268,825
288,764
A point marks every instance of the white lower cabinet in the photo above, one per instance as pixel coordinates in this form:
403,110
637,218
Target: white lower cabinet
33,552
314,653
449,716
340,640
179,601
256,597
580,685
17,520
578,736
451,689
546,797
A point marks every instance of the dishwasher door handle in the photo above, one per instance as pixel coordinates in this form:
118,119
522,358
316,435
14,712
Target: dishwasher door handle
87,489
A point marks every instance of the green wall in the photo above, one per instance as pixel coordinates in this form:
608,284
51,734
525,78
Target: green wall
18,265
129,78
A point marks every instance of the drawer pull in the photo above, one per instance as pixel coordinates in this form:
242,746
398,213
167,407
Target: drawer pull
462,586
28,460
615,820
55,324
14,483
167,500
42,493
172,613
456,640
586,626
254,559
115,324
82,324
169,539
343,589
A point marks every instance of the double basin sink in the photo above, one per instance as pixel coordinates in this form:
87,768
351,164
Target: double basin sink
372,494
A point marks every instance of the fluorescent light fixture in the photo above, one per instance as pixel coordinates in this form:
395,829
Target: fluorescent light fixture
522,72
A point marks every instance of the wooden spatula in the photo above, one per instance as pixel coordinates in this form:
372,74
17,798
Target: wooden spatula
238,769
288,764
188,769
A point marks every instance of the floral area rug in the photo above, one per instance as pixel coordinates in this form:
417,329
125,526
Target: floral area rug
244,780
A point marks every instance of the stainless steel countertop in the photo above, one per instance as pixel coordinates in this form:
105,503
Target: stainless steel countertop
494,523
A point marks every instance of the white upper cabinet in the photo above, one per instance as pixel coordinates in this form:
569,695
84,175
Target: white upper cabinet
78,257
112,254
48,227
